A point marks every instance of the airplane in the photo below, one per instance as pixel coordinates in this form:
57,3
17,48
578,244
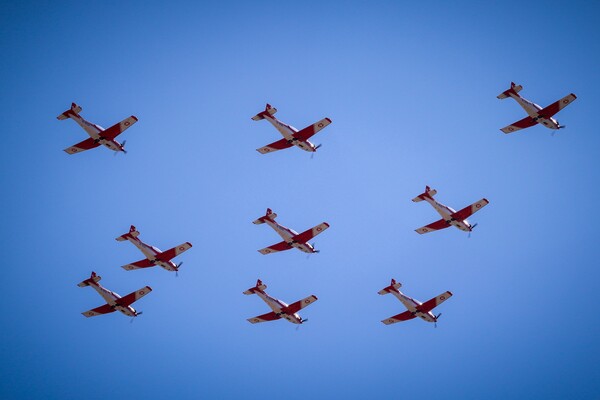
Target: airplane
290,237
98,135
449,215
291,135
153,255
113,300
415,307
280,309
537,114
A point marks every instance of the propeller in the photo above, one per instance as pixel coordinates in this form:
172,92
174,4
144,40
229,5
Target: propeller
313,153
136,314
177,270
471,230
436,318
314,250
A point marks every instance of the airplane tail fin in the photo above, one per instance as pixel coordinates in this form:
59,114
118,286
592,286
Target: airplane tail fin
393,286
268,111
514,89
259,285
93,278
74,110
132,233
428,193
268,215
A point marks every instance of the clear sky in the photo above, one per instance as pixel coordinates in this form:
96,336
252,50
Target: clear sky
411,89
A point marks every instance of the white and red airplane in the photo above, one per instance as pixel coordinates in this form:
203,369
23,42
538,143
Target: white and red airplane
415,307
113,300
450,217
98,135
291,135
153,255
280,309
290,237
537,114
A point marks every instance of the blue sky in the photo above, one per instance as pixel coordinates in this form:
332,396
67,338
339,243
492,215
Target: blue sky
411,89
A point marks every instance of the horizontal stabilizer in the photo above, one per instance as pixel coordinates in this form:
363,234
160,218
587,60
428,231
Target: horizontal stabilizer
74,110
259,287
269,215
132,233
93,278
268,111
394,286
428,193
514,89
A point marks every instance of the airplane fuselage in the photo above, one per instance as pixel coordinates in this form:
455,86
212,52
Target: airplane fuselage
151,252
446,213
288,131
533,109
111,298
95,132
279,307
412,306
287,234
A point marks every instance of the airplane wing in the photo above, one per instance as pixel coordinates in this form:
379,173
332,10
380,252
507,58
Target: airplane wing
405,316
145,263
174,252
434,226
309,131
119,128
264,318
300,304
278,145
469,210
557,106
105,309
310,233
281,246
87,144
134,296
524,123
433,303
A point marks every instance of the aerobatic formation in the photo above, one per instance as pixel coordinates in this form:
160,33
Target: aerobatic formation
291,238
